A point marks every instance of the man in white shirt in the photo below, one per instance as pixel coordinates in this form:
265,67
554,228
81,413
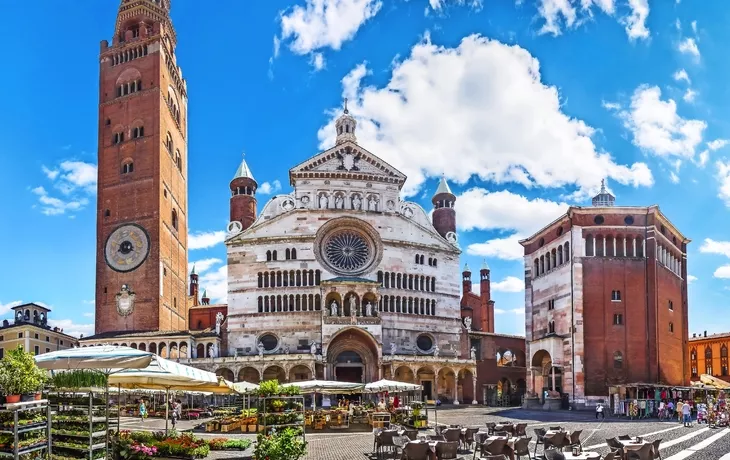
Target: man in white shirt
599,410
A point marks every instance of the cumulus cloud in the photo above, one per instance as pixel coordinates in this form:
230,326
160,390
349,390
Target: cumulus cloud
717,144
203,265
689,46
325,23
568,14
656,126
216,284
673,177
505,211
75,180
267,188
689,95
681,75
509,284
722,272
317,61
71,328
53,206
205,240
710,246
484,103
438,4
691,279
6,307
723,177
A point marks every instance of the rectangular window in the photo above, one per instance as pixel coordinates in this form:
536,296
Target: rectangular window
20,335
724,371
708,369
2,353
671,305
37,350
618,319
2,338
48,339
61,342
551,304
694,372
616,296
48,350
36,336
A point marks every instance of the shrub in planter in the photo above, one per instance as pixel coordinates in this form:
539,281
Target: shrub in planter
282,445
268,388
19,375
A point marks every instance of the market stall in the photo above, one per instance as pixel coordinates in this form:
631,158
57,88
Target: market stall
410,411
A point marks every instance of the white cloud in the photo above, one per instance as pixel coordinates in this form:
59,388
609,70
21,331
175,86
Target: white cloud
723,176
556,12
611,105
717,144
514,311
656,126
5,307
50,173
484,103
317,61
702,158
636,21
52,206
438,4
508,248
509,284
694,27
267,188
71,328
722,272
710,246
681,75
203,265
277,46
673,177
689,46
689,95
89,314
325,23
205,240
216,284
691,279
678,24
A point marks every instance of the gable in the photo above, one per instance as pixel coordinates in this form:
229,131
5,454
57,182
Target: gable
347,160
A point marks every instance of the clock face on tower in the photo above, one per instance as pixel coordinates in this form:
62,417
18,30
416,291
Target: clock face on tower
127,247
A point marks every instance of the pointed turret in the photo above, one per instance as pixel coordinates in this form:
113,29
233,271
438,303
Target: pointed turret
243,196
444,214
604,198
345,126
466,279
194,286
205,299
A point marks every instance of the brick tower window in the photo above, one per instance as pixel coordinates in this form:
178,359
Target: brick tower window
671,327
615,296
128,167
618,360
168,143
671,305
174,219
618,319
138,132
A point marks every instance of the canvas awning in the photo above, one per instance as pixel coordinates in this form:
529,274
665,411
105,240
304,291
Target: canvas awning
329,387
391,386
245,387
105,358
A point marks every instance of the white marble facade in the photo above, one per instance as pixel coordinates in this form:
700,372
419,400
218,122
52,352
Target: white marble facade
343,270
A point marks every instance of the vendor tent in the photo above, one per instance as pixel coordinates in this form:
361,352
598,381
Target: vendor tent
245,387
105,358
162,374
329,387
390,386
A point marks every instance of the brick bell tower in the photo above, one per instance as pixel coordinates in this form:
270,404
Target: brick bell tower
444,214
141,260
243,197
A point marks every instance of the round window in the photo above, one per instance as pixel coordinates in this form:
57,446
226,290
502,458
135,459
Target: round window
628,220
598,220
347,251
424,343
348,246
269,341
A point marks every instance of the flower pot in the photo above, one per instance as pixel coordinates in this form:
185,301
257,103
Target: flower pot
9,399
37,396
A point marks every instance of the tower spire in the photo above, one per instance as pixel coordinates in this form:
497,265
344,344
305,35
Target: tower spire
345,126
604,198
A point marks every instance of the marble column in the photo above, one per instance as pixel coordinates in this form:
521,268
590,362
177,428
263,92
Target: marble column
474,386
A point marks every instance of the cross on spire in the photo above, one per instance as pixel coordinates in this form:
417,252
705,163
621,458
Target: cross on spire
346,111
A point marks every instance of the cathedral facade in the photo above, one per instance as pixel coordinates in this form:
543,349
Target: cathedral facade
343,280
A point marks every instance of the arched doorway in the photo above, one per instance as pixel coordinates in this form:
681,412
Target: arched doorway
446,385
427,378
466,382
225,373
352,356
275,373
404,374
249,374
546,376
300,373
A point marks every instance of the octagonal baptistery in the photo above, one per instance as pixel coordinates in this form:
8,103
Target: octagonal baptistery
340,279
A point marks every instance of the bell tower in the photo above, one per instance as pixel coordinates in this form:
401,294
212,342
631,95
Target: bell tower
444,214
141,259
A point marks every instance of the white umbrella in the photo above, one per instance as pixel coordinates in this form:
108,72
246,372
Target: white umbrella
329,387
391,386
106,358
245,387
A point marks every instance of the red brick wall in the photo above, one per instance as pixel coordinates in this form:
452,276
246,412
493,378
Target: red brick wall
145,197
204,318
444,220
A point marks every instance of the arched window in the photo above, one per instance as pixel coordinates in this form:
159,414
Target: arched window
708,352
137,132
268,256
273,255
178,160
293,253
261,280
551,327
417,258
119,137
618,360
127,167
287,254
723,351
168,143
174,219
671,327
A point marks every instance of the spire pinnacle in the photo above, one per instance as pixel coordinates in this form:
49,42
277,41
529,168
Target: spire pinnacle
205,293
466,268
604,197
346,111
345,126
443,186
484,265
193,271
243,169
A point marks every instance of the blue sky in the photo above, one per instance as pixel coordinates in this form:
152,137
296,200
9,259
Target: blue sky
524,106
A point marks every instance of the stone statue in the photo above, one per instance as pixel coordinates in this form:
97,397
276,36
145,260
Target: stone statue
313,348
393,348
323,201
467,323
473,353
260,348
436,351
353,305
372,203
333,308
368,309
339,202
218,321
214,350
286,349
356,202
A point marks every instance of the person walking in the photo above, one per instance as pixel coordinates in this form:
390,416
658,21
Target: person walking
680,404
142,410
687,414
599,411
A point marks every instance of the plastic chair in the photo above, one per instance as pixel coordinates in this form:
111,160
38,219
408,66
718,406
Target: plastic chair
521,429
490,427
412,434
522,447
645,453
575,438
469,436
452,434
556,441
495,447
384,441
447,450
540,438
415,451
657,453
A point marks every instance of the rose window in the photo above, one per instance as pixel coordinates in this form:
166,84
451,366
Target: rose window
347,251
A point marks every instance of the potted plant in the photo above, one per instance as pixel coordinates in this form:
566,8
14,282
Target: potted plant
19,375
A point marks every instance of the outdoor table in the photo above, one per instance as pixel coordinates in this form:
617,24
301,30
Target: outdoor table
632,444
582,456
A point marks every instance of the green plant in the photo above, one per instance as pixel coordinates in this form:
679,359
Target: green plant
80,378
282,445
290,390
19,373
268,388
229,444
